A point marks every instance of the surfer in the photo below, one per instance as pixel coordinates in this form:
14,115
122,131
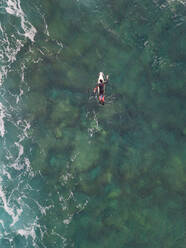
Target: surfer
100,88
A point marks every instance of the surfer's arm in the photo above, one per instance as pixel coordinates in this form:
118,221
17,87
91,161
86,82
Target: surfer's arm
107,80
95,89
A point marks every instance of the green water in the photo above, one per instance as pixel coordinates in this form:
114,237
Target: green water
112,176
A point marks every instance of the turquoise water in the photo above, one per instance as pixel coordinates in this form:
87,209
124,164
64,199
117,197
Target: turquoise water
74,173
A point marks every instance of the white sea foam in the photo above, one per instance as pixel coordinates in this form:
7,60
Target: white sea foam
2,223
27,231
18,96
3,72
46,26
64,240
6,173
30,231
23,74
74,156
42,209
24,126
7,208
68,220
94,125
181,1
16,165
7,52
2,115
14,8
81,206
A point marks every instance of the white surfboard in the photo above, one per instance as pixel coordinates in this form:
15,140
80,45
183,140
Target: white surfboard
101,77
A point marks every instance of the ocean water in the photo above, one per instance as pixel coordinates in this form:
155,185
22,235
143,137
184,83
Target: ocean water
74,173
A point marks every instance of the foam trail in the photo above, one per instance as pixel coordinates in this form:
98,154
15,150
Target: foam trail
14,8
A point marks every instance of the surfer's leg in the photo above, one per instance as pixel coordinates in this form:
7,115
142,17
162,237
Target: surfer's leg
101,99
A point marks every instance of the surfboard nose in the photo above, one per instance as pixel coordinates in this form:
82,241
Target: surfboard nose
101,77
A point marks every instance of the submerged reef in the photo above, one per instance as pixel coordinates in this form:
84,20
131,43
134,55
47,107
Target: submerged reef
117,172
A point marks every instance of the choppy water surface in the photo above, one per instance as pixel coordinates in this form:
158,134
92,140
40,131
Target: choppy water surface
77,174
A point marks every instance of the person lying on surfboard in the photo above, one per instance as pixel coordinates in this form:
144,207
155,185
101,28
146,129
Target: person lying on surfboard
100,88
